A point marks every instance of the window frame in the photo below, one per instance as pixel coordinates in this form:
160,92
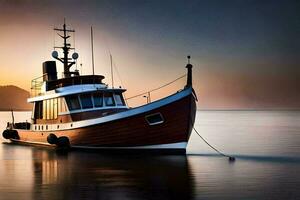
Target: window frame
91,99
38,110
112,97
79,103
154,123
121,98
102,98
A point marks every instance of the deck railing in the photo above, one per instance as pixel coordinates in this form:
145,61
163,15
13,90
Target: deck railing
36,85
148,95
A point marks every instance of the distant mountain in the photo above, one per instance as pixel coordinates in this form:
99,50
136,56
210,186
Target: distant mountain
13,98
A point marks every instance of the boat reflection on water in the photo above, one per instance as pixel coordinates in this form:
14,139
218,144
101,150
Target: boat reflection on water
95,176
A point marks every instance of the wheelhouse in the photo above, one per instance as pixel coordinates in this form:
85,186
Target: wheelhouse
54,108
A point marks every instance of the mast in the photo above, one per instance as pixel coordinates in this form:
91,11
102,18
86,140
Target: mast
111,72
66,48
92,46
189,66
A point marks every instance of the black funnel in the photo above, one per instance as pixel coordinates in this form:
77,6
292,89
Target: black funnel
49,71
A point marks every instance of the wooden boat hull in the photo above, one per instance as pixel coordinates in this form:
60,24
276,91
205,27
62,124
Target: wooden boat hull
128,130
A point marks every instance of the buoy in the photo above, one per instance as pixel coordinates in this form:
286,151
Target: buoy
52,138
231,159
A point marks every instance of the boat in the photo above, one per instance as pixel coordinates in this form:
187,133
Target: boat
82,112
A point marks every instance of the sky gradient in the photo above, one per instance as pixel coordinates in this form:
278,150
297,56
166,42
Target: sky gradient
245,53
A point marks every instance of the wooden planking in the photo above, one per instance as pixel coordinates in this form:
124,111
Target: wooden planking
131,131
136,131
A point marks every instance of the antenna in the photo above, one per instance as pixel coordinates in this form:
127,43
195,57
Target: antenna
66,48
54,38
92,45
111,71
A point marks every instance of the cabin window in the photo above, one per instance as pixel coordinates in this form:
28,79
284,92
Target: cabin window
49,108
55,108
38,110
44,109
73,102
61,105
86,101
154,119
108,99
119,100
98,99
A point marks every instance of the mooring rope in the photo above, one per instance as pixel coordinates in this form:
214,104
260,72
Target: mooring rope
157,87
222,154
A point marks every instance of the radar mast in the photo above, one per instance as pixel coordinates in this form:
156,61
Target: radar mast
67,62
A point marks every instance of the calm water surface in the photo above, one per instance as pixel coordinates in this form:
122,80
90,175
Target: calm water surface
265,143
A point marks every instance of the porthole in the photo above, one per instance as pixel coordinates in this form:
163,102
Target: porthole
154,119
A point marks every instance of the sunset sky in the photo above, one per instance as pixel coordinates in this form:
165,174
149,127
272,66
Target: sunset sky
246,54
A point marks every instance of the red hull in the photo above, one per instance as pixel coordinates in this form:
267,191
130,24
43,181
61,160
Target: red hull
132,131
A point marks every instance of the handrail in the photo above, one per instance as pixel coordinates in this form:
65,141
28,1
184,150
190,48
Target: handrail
148,92
36,85
39,77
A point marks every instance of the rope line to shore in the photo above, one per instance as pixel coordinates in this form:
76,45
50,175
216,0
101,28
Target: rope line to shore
222,154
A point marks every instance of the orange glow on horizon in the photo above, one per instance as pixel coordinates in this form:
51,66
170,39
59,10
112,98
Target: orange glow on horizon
146,58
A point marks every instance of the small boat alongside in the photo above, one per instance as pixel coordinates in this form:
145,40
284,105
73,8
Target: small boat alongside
81,111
